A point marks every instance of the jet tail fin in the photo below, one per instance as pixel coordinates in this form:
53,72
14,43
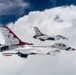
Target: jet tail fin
38,32
11,38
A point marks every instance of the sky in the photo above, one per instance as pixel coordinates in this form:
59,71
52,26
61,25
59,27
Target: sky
21,16
11,10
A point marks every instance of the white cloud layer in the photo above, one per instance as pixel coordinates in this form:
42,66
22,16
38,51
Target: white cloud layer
12,7
47,21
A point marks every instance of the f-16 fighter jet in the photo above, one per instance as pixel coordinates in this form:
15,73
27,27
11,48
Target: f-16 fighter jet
22,49
42,37
62,46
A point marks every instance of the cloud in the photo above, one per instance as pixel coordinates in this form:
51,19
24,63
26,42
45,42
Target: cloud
45,20
12,7
60,64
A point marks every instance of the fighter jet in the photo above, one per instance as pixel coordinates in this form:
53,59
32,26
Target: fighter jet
13,43
61,46
42,37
